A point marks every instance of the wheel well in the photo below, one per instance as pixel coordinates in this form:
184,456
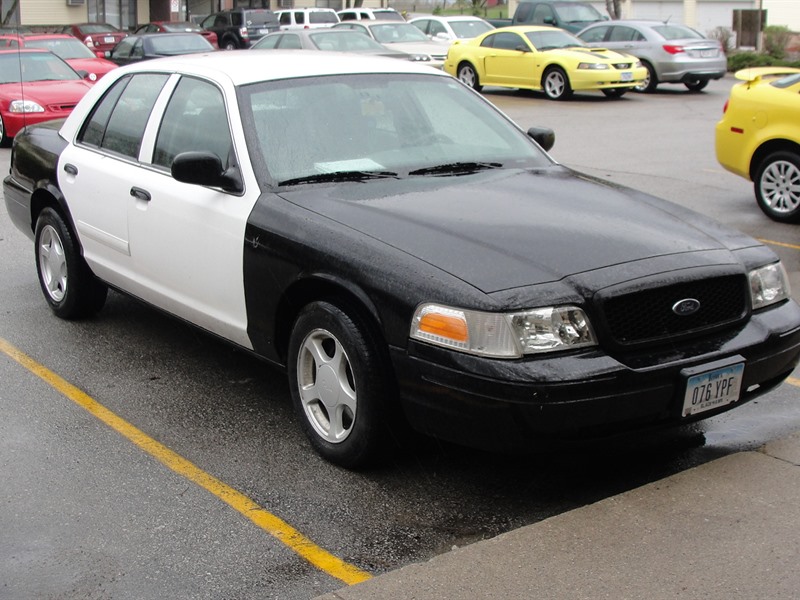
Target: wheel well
303,292
768,148
41,199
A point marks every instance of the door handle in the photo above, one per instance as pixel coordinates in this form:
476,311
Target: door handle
71,169
140,194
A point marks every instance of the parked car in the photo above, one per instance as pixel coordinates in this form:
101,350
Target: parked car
401,248
35,86
542,58
450,28
240,27
66,47
177,27
670,52
307,18
98,37
369,14
146,46
758,138
330,40
399,36
569,15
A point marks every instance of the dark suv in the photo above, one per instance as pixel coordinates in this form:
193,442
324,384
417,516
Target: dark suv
240,27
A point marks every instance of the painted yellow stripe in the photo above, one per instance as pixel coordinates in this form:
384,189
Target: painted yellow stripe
273,525
784,244
793,381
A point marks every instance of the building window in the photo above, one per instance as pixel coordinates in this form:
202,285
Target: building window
120,13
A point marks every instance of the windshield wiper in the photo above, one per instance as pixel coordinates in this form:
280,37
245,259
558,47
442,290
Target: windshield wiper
457,168
338,176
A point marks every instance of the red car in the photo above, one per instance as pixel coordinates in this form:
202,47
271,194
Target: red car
47,89
178,27
75,54
98,37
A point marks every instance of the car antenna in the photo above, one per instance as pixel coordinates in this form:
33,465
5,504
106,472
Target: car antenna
21,80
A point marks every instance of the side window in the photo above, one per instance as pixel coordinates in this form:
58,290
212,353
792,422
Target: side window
236,19
596,34
195,120
269,42
290,42
437,27
422,25
507,41
543,15
622,34
286,18
300,17
123,49
523,13
138,49
121,131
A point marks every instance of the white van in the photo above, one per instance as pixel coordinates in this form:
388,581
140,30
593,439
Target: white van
307,18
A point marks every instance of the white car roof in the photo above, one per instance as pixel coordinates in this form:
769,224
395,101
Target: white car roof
248,66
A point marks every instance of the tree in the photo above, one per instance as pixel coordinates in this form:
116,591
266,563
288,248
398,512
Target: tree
614,8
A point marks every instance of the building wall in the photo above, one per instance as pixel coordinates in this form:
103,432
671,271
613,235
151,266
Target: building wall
50,12
783,12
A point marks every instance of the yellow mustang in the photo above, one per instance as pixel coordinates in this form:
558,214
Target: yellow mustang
759,138
542,58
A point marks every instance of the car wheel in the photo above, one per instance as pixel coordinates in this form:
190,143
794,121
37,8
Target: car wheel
4,141
339,384
777,186
468,76
615,92
556,84
695,85
650,80
70,288
229,44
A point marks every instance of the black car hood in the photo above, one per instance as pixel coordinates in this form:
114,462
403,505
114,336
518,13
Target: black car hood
506,229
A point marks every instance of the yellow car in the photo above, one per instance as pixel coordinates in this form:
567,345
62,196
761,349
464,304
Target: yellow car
759,138
542,58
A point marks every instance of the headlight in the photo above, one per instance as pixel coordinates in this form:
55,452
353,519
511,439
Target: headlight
503,335
419,57
769,285
24,106
637,64
593,66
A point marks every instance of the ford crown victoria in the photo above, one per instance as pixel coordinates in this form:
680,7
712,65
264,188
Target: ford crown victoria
404,251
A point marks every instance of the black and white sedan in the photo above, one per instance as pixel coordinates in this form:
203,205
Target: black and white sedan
401,248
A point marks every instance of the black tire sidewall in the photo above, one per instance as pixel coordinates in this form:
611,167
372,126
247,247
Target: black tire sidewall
567,88
366,441
792,217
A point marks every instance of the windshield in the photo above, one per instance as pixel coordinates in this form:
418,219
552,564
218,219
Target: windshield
34,66
179,44
551,40
469,29
66,48
345,41
677,32
574,12
390,33
388,125
98,28
322,16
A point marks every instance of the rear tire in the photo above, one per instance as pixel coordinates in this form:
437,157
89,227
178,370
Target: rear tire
777,186
695,85
229,44
68,285
340,385
555,84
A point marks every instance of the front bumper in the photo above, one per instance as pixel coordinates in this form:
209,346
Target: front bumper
510,405
587,79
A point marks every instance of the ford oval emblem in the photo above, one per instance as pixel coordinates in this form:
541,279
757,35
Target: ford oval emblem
686,307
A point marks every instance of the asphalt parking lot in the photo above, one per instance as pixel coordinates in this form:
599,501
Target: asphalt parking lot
142,459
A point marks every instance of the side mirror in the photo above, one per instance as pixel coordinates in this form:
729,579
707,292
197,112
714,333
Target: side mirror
522,48
544,136
205,168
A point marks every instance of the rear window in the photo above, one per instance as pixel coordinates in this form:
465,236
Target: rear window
322,16
259,17
677,32
785,82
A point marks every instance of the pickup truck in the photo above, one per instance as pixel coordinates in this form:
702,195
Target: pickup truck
570,15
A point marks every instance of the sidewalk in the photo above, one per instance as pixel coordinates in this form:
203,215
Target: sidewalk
728,529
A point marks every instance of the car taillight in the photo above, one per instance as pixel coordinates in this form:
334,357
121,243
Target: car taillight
725,108
243,33
89,41
672,49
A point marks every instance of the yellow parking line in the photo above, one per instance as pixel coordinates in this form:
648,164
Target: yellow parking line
784,244
793,381
273,525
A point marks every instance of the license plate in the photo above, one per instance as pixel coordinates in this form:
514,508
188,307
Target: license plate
108,40
263,31
627,76
708,53
713,389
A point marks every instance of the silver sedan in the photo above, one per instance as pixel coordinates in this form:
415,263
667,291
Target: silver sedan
672,53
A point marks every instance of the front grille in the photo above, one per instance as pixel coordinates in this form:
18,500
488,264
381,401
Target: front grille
647,315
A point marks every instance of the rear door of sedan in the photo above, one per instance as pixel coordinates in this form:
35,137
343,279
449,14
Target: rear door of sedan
180,245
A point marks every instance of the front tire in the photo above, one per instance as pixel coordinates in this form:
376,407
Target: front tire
614,92
70,288
648,86
469,77
556,84
777,186
339,385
